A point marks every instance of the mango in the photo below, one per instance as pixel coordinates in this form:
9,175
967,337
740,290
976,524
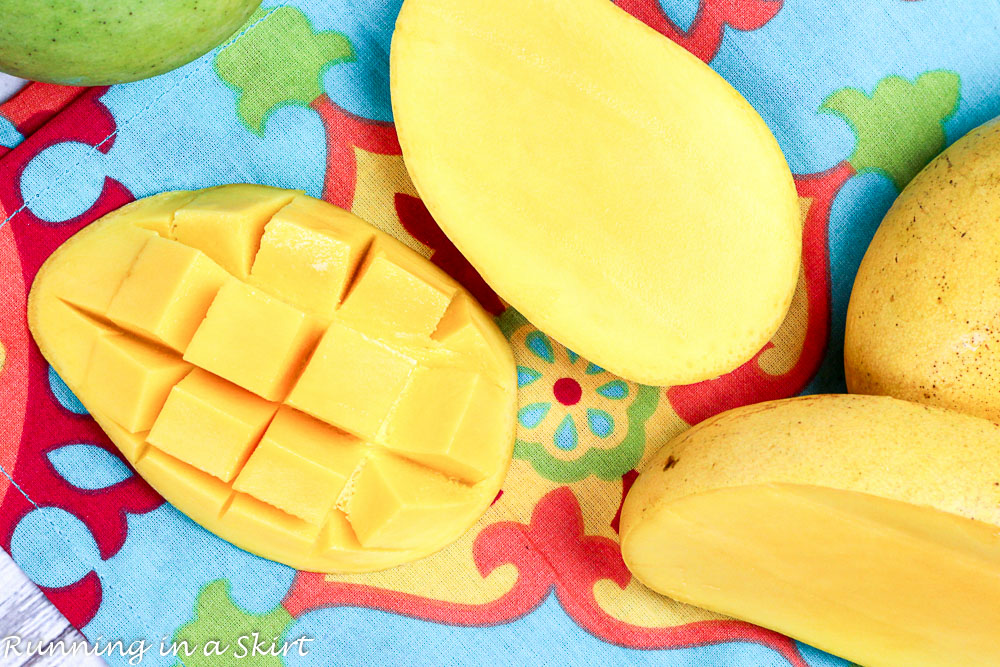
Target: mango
294,380
923,321
866,526
644,216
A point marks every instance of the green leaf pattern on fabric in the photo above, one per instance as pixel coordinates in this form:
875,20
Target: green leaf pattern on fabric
281,61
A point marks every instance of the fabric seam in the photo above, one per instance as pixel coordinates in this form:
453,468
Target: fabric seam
68,543
127,121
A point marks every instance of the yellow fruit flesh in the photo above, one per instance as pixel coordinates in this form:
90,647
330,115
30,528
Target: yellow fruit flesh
863,525
872,580
167,292
922,320
252,339
245,398
643,216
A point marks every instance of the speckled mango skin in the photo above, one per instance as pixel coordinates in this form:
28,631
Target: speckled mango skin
97,42
923,322
877,445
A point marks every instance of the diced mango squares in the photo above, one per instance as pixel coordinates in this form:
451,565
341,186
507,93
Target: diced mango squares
251,516
157,213
309,252
395,293
208,336
351,381
204,491
129,380
167,293
226,223
300,466
132,445
396,503
79,333
443,418
337,534
466,330
99,278
456,321
211,424
253,339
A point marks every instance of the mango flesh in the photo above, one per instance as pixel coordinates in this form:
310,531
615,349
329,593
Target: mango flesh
643,216
223,368
923,321
866,526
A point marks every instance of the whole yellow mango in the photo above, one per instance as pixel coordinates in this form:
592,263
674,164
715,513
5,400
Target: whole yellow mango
863,525
924,317
605,182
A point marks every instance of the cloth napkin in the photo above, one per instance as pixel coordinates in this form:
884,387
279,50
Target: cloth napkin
860,96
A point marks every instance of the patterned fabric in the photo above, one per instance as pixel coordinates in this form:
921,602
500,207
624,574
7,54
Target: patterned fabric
859,94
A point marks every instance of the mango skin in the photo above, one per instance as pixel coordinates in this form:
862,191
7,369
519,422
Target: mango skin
94,42
643,216
923,321
895,467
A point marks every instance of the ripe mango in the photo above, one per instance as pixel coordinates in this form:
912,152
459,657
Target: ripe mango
863,525
294,380
923,321
605,182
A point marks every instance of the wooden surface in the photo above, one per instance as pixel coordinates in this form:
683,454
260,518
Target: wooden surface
9,85
24,611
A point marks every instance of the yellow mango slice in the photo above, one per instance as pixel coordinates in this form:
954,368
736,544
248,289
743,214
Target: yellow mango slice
441,417
79,331
866,526
397,504
465,328
210,424
157,213
209,334
301,465
206,494
105,277
642,215
141,377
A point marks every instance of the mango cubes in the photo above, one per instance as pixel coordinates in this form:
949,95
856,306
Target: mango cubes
308,254
291,378
351,380
251,339
167,292
211,424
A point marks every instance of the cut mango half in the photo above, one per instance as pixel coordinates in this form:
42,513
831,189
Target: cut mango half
605,182
865,526
272,365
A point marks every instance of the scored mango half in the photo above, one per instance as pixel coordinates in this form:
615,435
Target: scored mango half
866,526
294,380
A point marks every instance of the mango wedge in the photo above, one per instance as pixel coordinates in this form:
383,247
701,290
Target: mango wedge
605,182
866,526
266,360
